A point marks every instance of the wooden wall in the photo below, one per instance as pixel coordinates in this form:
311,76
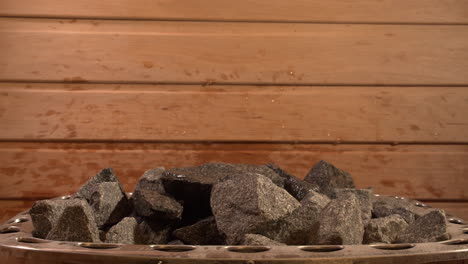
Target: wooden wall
379,88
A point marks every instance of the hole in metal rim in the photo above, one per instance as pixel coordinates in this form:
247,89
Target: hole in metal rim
248,249
324,248
455,221
173,248
18,220
68,243
9,229
98,245
31,240
455,242
393,246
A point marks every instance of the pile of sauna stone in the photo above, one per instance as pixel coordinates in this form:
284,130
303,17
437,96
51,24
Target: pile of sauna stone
232,204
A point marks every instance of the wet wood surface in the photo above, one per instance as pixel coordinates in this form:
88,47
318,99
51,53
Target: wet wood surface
53,169
232,53
10,208
357,11
230,113
378,88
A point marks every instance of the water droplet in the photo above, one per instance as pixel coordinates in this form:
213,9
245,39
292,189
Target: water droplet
328,134
272,100
291,73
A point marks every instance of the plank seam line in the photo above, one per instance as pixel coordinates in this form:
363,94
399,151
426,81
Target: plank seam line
110,18
32,81
275,142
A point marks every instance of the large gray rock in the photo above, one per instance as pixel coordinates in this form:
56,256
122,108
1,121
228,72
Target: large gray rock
383,206
384,230
204,232
151,180
262,170
192,186
315,199
110,204
106,196
76,223
153,233
105,175
430,227
299,227
259,240
249,203
364,197
44,215
150,200
297,188
340,222
156,206
329,178
125,232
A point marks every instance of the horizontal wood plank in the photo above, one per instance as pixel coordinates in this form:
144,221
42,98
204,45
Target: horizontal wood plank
90,112
233,53
370,11
52,169
456,209
10,208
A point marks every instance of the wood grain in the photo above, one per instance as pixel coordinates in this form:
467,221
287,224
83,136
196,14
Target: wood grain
370,11
456,209
233,53
10,208
90,112
35,170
